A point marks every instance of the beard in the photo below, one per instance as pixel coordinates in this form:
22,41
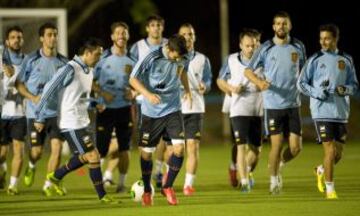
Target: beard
281,35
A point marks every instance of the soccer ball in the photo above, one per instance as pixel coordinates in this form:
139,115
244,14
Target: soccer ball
137,190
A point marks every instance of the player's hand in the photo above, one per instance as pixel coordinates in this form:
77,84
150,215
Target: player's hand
100,107
187,96
237,89
153,98
263,85
107,96
8,70
202,88
35,99
39,126
341,90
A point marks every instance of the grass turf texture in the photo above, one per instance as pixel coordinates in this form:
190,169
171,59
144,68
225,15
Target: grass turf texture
213,196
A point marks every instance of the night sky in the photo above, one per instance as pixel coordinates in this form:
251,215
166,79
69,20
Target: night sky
204,15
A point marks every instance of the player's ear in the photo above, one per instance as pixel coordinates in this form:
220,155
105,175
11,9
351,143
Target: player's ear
41,39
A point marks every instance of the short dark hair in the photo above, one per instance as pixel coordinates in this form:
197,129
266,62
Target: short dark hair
155,18
249,32
117,24
177,43
45,26
281,14
12,28
90,44
332,28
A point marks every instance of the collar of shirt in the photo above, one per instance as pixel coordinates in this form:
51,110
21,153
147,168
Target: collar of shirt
113,52
18,57
78,60
330,52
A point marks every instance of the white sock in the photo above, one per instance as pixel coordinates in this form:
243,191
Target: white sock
13,181
158,166
107,175
274,180
4,166
102,160
281,165
244,181
233,166
330,187
248,169
122,179
31,165
320,169
189,180
47,184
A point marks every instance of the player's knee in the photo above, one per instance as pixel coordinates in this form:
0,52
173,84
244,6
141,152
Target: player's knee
92,156
295,150
178,150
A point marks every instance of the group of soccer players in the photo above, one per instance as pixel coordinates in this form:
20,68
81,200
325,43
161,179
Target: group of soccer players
158,87
279,69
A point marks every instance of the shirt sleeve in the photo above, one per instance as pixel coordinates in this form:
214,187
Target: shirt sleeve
60,80
224,73
207,75
134,52
304,83
351,83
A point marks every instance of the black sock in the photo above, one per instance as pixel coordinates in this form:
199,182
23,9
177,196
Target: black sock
175,164
146,169
96,178
71,165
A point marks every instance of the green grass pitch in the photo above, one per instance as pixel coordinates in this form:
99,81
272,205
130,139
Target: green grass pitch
213,196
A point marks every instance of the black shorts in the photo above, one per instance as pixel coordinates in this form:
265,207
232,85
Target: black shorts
79,140
330,131
247,130
12,129
193,125
118,119
51,130
283,121
152,129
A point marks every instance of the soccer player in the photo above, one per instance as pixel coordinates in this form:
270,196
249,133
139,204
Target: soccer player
199,75
329,78
253,154
154,28
72,83
245,103
37,69
111,82
13,122
156,77
281,59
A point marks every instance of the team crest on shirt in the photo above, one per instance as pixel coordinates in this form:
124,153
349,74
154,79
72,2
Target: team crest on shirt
128,69
294,57
341,65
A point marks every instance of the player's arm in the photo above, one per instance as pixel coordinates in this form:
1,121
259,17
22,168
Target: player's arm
205,84
20,83
135,81
96,88
259,82
351,83
59,81
304,83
